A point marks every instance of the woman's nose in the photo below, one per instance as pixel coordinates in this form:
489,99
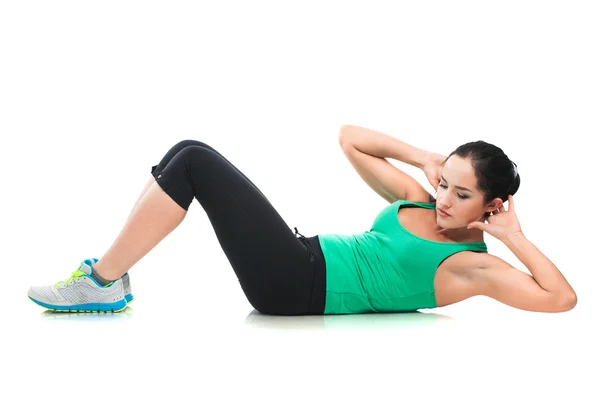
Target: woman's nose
443,201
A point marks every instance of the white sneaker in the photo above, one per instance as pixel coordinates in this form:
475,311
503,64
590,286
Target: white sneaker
126,283
80,293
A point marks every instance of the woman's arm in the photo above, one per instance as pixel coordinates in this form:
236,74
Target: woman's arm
545,273
382,145
367,151
546,291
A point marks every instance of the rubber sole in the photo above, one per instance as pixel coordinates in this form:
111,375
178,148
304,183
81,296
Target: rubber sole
128,298
90,307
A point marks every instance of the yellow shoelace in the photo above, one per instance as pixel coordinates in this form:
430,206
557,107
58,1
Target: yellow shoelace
75,274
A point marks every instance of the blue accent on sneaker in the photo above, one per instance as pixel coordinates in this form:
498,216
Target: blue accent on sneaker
89,262
128,297
108,307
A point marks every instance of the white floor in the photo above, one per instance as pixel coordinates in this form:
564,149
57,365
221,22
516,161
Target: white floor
93,94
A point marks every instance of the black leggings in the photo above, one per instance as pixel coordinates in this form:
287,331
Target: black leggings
280,273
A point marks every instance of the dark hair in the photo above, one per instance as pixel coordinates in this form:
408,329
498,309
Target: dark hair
496,174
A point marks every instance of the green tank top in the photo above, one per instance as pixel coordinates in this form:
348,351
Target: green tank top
385,269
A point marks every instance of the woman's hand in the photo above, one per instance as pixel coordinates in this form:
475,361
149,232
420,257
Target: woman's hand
502,223
433,168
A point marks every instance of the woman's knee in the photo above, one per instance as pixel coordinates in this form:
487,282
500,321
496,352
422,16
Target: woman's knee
204,155
191,142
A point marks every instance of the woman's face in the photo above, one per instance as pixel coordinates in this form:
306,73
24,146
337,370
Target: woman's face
457,194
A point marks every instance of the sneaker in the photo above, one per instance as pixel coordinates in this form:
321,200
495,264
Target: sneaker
127,288
51,315
80,293
126,283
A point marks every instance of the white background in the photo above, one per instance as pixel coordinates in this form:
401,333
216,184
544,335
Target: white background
92,94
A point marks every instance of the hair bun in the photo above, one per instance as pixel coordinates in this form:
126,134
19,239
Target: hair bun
516,169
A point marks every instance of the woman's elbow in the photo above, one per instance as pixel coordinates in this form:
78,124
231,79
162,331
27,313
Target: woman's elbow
567,301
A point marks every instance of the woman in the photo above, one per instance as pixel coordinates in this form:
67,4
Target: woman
421,252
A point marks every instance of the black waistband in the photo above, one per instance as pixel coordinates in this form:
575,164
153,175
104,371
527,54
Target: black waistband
317,304
317,300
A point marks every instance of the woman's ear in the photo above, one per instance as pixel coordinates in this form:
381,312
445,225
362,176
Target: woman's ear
494,205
